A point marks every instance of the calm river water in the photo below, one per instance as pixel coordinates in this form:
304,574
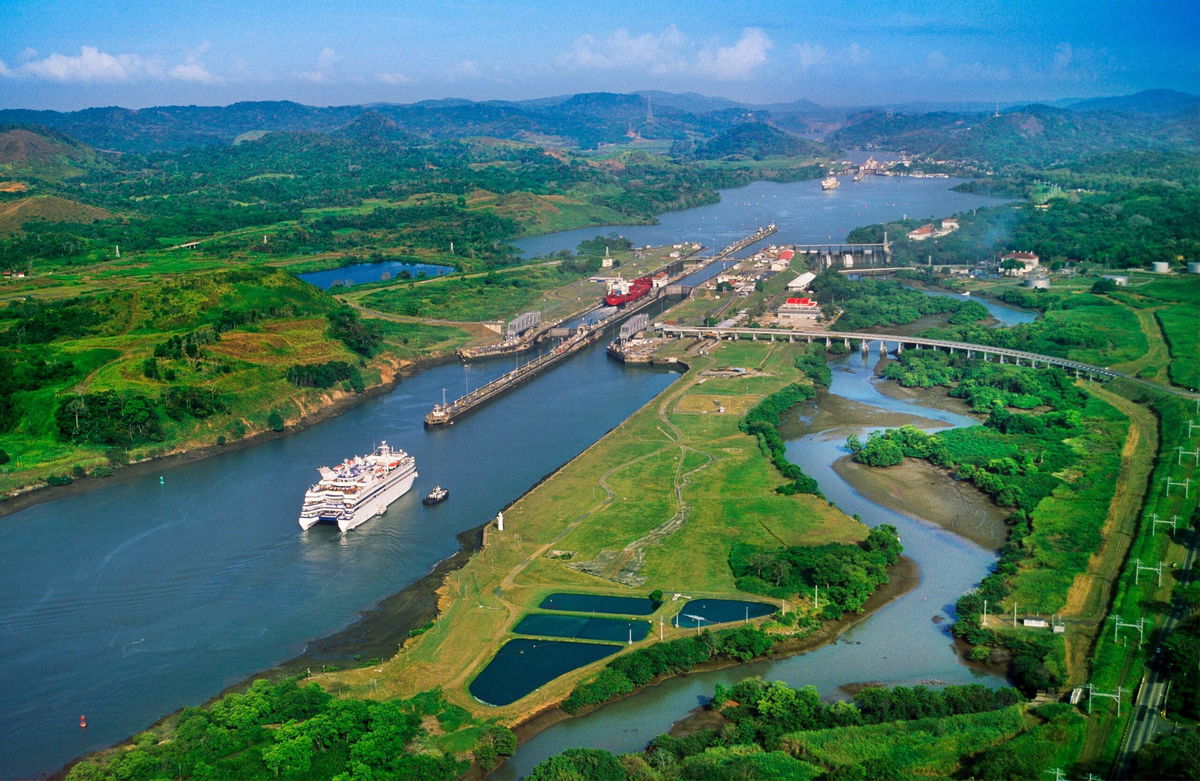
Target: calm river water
135,599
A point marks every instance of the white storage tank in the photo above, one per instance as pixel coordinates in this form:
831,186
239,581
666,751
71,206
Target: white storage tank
1120,279
1040,283
1160,267
1194,267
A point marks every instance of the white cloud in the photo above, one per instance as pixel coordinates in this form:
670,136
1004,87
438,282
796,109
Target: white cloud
668,52
326,59
28,53
92,65
193,69
464,70
1064,55
734,63
622,51
811,55
815,57
392,78
856,54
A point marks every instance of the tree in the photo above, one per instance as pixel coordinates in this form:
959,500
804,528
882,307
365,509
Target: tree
275,421
579,764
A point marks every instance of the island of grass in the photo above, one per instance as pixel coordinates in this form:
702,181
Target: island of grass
657,505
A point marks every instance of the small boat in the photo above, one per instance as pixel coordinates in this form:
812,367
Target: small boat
436,496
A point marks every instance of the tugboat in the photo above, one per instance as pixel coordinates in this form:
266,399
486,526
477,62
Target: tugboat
436,496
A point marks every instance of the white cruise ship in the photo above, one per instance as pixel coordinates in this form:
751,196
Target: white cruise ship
358,488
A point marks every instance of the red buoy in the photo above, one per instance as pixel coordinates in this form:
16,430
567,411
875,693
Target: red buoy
82,721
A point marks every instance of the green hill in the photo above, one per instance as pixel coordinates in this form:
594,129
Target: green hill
758,139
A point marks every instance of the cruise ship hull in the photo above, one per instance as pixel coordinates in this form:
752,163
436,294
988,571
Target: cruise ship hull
358,489
378,505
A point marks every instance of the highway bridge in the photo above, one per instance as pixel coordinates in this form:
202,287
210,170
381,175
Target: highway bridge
865,340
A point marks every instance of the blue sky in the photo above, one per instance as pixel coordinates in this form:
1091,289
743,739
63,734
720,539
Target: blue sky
70,54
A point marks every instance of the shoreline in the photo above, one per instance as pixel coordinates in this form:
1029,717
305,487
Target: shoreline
48,493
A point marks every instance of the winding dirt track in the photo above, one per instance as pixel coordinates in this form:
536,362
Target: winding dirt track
1088,598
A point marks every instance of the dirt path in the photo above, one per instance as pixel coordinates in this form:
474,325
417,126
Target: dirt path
1156,347
1090,593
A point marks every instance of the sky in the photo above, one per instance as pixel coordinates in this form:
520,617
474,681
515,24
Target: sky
72,54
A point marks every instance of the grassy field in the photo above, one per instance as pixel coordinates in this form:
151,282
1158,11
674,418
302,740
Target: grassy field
1181,328
245,367
919,748
1067,525
658,502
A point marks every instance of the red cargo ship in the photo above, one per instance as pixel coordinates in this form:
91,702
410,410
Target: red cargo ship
638,288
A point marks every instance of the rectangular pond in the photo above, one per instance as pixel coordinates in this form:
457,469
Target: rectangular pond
702,612
617,630
595,603
523,665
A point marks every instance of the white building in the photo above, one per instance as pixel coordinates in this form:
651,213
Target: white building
801,283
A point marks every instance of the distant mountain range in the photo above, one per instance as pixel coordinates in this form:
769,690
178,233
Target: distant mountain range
696,126
585,120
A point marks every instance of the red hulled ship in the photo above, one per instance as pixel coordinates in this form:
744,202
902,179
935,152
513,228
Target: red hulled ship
619,295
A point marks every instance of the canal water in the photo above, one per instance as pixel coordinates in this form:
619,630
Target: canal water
132,600
901,644
802,212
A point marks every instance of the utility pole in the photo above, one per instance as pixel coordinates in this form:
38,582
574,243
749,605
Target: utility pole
1186,485
1139,625
1139,566
1092,693
1195,454
1174,519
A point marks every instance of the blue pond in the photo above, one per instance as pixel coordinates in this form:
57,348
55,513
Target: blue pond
702,612
360,273
523,665
583,627
593,603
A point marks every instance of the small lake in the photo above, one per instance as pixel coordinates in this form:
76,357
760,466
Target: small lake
521,666
583,627
595,603
702,612
361,273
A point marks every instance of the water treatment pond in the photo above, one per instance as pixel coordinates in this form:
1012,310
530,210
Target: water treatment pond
521,666
702,612
583,627
595,603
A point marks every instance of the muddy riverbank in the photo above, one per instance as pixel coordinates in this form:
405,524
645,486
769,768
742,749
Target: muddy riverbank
924,492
